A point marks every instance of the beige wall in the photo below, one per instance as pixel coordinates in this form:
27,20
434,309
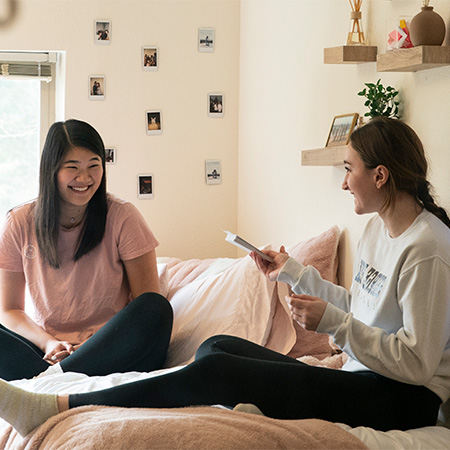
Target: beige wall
288,98
186,215
280,99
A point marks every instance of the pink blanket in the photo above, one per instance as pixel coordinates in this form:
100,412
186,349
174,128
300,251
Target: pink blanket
199,428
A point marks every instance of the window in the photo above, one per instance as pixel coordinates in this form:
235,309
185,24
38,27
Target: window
27,109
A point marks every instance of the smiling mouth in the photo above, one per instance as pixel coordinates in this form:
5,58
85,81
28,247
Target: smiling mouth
79,189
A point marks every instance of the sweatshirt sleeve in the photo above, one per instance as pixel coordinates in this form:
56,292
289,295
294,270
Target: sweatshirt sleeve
307,280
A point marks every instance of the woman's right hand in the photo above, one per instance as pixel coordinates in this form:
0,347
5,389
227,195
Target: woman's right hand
271,269
56,351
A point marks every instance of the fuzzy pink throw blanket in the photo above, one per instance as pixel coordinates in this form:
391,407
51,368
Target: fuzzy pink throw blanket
199,428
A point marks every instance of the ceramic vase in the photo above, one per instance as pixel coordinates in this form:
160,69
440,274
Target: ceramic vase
427,28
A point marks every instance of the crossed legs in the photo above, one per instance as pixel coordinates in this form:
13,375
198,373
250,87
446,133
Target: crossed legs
135,339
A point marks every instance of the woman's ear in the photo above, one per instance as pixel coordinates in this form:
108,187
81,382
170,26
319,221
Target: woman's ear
381,176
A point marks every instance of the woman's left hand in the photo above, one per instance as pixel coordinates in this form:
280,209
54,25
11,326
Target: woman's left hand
306,310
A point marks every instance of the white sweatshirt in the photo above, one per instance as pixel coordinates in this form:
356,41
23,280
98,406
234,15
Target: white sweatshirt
396,319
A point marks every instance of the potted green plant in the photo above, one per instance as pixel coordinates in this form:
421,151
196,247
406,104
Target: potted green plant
381,100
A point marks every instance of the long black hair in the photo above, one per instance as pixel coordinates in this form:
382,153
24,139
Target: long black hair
61,137
395,145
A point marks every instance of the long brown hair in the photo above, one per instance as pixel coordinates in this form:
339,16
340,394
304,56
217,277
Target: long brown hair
61,137
395,145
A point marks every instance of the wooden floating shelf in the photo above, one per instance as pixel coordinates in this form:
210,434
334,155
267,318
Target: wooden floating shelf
414,59
328,156
350,54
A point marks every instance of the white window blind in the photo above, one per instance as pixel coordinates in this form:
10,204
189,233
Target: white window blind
34,65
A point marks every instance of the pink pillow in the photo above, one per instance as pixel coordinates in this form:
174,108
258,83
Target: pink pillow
320,252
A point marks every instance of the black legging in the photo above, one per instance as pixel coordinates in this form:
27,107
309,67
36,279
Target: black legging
229,370
135,339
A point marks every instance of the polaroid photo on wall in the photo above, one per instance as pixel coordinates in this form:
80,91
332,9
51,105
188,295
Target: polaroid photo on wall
213,171
216,105
102,32
150,58
145,185
111,155
97,87
153,122
206,40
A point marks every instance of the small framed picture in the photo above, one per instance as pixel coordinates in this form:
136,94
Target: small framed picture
102,32
206,40
341,128
145,185
216,105
213,171
149,58
110,153
97,87
154,122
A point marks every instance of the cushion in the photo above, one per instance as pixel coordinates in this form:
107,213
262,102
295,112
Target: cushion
163,275
237,300
320,252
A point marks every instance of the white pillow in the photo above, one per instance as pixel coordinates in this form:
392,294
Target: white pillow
238,301
163,274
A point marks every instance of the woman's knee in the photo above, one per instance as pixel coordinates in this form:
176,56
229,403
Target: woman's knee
215,364
212,345
153,303
153,311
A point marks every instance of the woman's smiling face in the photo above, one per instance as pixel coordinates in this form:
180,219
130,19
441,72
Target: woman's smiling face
361,183
79,176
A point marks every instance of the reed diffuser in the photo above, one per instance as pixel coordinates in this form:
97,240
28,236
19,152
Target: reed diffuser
356,33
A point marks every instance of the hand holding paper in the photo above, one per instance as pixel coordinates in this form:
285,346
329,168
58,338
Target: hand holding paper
244,245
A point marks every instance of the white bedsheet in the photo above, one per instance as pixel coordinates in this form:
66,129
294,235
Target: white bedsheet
56,382
428,438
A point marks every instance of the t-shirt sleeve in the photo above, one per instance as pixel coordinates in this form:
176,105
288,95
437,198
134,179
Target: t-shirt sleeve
10,246
133,235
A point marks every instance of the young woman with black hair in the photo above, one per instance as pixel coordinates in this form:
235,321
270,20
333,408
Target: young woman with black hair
88,260
394,323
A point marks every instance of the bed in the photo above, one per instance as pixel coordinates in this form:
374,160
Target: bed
217,296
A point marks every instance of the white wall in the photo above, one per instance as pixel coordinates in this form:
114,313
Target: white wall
280,99
288,98
186,215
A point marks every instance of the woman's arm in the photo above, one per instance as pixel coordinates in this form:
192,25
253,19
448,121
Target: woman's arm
13,317
142,274
412,353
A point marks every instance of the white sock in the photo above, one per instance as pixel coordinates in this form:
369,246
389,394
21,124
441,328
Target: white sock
248,408
25,410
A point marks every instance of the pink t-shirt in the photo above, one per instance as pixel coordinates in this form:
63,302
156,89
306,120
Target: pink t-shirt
74,301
